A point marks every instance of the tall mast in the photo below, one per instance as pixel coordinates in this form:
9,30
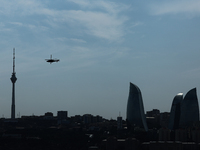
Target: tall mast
13,80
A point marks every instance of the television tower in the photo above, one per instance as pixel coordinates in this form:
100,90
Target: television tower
13,80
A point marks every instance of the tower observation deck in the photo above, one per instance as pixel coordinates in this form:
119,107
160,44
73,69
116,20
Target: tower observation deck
13,80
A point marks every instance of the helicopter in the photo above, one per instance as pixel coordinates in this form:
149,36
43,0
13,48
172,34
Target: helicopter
52,60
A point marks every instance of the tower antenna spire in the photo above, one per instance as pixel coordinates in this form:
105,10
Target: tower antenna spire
13,60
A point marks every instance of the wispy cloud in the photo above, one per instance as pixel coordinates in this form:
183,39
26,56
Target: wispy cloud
35,28
135,24
108,6
19,7
175,7
106,21
78,40
16,23
3,28
97,23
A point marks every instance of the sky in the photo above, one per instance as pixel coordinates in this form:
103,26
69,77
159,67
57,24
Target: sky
102,46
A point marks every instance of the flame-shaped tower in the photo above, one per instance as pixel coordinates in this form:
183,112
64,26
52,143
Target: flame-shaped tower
135,109
13,80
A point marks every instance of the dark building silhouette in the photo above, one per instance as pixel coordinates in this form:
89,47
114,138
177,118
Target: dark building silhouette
119,123
135,109
48,115
61,115
153,118
189,109
13,80
153,113
164,119
175,112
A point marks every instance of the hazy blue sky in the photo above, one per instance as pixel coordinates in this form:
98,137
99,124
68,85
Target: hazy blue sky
102,46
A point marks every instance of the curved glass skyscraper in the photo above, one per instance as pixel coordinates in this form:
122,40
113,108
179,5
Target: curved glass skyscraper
175,112
135,109
184,112
189,109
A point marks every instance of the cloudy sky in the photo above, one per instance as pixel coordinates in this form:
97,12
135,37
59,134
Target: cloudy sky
102,46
